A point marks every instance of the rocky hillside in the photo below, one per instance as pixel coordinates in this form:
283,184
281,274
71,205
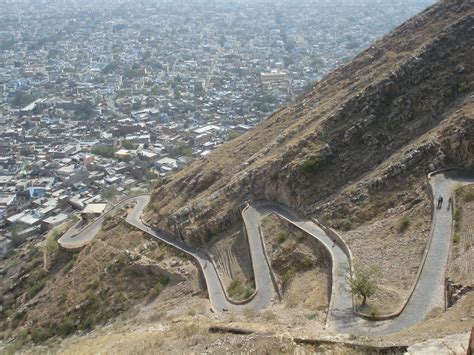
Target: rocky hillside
400,109
49,292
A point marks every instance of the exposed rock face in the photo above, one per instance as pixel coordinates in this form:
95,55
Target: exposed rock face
458,142
401,108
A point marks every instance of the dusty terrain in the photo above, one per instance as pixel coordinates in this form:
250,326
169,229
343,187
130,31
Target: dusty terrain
458,319
170,327
461,268
231,255
302,268
394,243
80,290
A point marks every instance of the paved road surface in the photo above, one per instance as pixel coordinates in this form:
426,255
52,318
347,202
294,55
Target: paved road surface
427,295
429,290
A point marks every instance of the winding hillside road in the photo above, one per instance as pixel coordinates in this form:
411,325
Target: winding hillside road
427,294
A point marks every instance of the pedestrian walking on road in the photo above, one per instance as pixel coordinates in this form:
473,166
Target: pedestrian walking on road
440,202
450,203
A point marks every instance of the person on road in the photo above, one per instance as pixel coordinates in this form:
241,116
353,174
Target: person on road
450,203
440,201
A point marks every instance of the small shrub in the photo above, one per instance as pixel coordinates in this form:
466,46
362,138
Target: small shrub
371,310
312,316
156,290
191,313
40,335
65,328
35,288
288,275
68,266
52,245
239,289
190,330
456,238
306,263
457,219
282,236
62,299
346,225
469,196
403,224
36,283
269,315
19,343
299,236
312,165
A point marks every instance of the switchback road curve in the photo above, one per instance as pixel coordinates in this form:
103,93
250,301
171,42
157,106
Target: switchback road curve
427,294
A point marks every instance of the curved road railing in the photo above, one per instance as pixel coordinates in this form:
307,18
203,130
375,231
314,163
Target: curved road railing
427,293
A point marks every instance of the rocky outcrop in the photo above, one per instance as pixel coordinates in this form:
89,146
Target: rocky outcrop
458,142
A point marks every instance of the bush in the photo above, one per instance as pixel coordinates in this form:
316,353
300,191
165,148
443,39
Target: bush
238,289
52,245
312,165
68,266
312,316
65,328
299,235
346,225
156,290
288,275
40,335
456,238
281,237
469,196
457,219
269,315
35,288
90,311
36,283
403,224
306,263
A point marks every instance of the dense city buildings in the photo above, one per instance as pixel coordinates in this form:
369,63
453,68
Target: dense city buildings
98,99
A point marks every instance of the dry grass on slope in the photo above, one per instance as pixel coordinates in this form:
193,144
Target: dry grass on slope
118,270
302,267
461,266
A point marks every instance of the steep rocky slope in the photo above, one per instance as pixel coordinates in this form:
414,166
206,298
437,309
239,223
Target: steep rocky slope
401,108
